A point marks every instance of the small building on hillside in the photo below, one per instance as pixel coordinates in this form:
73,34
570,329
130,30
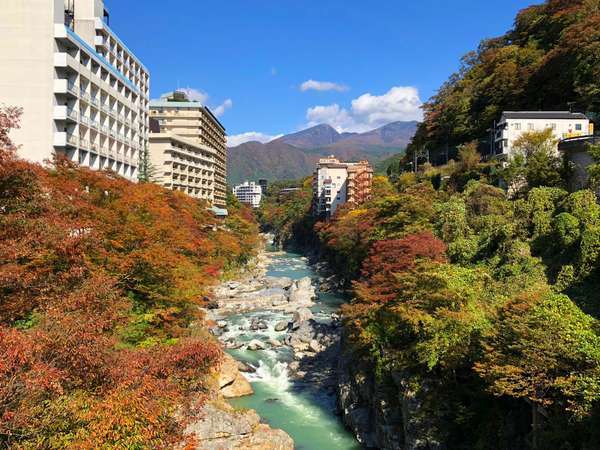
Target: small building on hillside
336,183
249,193
513,124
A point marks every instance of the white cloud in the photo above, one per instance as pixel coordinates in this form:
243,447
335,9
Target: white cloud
370,111
220,110
322,86
238,139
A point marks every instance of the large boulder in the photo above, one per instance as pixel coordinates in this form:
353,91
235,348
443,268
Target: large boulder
281,326
278,282
255,344
221,427
302,292
231,382
300,316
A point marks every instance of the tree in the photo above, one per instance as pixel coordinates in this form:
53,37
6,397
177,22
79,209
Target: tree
9,120
594,169
536,162
546,350
146,170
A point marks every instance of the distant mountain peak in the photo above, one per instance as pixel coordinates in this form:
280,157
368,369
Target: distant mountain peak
295,155
317,136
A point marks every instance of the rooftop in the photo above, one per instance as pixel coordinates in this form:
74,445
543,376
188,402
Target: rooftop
543,115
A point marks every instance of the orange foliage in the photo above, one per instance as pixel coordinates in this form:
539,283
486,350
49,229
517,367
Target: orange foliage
99,281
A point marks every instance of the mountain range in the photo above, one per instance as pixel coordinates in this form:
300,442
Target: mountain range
294,155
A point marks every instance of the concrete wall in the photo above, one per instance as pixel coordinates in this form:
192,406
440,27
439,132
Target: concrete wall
27,59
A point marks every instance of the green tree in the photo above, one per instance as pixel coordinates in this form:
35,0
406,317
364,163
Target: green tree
146,170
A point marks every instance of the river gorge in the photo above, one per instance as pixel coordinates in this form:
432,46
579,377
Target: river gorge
284,332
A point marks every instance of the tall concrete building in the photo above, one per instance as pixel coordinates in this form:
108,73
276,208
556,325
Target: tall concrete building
249,193
336,183
196,125
84,94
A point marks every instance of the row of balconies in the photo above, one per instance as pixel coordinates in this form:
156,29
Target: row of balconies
63,139
63,86
64,112
66,61
113,44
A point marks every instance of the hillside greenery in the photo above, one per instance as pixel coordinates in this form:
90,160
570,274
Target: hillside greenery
101,336
484,303
549,60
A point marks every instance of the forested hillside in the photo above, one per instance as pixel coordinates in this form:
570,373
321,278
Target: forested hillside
101,279
550,60
481,307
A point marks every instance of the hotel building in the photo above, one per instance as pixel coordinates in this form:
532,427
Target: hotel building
84,94
249,193
513,124
336,183
194,125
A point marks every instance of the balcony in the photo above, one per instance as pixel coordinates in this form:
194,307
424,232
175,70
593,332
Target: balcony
64,86
60,112
101,41
64,60
72,139
60,139
72,114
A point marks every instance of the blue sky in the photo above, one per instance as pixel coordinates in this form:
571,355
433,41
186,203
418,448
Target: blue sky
276,66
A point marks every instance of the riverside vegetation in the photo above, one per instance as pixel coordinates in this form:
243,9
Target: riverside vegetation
473,322
102,280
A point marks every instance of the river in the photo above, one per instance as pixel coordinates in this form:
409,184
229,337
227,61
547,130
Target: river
306,413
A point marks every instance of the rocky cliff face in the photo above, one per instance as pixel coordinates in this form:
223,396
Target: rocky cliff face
386,416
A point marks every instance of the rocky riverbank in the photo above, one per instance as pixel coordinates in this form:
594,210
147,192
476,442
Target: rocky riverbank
274,326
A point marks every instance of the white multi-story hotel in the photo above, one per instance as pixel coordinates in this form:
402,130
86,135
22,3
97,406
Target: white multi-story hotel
83,92
513,124
177,115
249,193
336,183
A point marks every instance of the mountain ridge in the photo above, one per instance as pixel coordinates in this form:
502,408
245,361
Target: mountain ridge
294,155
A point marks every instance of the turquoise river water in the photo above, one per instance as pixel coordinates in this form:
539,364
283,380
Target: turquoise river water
309,417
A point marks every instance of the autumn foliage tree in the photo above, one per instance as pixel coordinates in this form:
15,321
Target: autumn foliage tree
100,280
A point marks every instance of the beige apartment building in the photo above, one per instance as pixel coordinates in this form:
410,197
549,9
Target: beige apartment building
182,164
336,183
195,124
84,94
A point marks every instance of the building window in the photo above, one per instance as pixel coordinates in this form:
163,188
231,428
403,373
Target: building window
578,126
553,126
517,126
530,127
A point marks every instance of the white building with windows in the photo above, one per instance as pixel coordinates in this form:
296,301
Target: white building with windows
513,124
84,94
249,193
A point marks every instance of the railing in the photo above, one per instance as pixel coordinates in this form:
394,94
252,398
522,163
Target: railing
73,139
72,114
72,88
85,120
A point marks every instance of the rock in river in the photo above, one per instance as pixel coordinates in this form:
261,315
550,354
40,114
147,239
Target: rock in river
255,344
281,326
